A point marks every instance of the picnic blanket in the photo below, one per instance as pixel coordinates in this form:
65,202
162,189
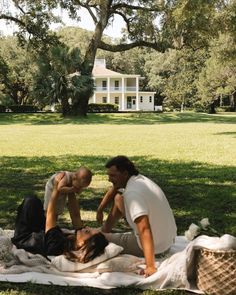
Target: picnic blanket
174,271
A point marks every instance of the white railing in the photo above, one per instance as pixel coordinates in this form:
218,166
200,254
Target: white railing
97,88
119,89
115,89
130,88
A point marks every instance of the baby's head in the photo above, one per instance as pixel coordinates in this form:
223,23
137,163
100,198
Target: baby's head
81,178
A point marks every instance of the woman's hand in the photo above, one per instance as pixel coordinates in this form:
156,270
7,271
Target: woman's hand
58,178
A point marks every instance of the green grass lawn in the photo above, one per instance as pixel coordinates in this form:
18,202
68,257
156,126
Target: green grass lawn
191,156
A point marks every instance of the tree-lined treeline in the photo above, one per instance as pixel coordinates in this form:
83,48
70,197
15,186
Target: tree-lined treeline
187,56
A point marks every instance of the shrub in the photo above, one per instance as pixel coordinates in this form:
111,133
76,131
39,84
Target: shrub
58,108
47,108
167,109
200,107
2,109
23,108
225,109
158,109
102,108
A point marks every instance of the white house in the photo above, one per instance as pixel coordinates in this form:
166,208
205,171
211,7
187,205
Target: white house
121,89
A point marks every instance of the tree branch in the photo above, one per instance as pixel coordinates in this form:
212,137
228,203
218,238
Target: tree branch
12,18
127,21
128,46
91,13
88,7
78,2
18,6
134,7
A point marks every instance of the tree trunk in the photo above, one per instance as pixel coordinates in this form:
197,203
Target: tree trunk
212,109
80,107
233,102
14,96
221,100
65,106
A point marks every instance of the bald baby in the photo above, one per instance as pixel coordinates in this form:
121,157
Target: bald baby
69,185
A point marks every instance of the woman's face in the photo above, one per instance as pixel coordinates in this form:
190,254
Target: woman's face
84,234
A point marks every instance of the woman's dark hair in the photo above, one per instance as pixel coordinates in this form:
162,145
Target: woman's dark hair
93,247
122,163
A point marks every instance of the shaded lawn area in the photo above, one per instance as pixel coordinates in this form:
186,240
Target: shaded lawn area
117,118
33,289
194,190
191,156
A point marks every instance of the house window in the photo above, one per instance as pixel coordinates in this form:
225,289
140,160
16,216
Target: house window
104,85
104,99
150,99
129,101
116,100
116,85
141,99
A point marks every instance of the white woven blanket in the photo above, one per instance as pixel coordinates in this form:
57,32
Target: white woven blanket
17,265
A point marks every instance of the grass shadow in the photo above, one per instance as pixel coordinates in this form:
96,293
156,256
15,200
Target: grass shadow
35,289
194,190
233,134
115,118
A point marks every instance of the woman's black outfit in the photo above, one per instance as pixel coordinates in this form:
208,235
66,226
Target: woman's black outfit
30,230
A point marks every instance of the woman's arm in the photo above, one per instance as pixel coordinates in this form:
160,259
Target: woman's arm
51,216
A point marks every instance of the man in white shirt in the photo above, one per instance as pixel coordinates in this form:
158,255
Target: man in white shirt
146,209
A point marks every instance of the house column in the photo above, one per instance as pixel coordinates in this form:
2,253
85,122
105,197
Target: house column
122,93
137,93
108,90
95,90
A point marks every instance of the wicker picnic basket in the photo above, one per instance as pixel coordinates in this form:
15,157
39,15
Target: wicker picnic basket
216,271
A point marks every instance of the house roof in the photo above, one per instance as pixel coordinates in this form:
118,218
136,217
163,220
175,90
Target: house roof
101,71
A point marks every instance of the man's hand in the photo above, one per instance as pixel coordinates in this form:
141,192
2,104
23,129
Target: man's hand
149,271
99,216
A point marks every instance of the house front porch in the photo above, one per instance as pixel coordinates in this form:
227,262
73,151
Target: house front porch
126,101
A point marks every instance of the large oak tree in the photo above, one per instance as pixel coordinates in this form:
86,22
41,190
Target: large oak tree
180,23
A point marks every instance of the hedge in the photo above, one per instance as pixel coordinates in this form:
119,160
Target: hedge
23,108
2,109
102,108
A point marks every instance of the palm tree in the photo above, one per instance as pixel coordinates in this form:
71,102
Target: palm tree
62,82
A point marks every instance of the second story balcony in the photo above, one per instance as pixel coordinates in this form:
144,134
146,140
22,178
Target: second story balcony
115,89
130,88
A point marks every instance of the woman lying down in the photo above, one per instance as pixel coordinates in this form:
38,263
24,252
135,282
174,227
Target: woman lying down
39,236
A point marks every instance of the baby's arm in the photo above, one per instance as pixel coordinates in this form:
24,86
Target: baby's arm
74,209
63,185
66,189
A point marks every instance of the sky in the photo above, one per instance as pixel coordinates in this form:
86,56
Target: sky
86,23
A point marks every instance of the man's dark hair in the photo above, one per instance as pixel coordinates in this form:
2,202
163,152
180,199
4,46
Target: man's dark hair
122,163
